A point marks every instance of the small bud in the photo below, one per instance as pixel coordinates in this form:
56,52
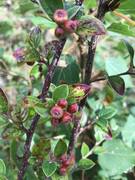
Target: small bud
70,26
73,108
62,103
60,16
19,54
35,36
56,112
67,117
54,122
59,32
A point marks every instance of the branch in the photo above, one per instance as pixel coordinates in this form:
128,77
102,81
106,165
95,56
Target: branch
31,130
103,8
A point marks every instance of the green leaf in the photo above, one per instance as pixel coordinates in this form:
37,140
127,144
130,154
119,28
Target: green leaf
41,110
127,7
131,52
2,167
117,83
90,4
49,168
121,158
25,6
5,27
60,148
73,11
49,6
122,29
60,92
43,22
100,131
84,150
3,102
69,74
128,131
107,113
89,26
85,164
13,152
115,65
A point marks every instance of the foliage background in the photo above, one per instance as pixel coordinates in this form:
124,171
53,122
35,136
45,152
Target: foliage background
114,159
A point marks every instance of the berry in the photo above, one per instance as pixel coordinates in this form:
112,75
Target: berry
62,103
60,16
59,32
70,26
56,112
54,122
73,108
67,117
63,170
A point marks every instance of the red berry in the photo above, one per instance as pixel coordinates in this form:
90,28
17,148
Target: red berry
70,26
62,103
54,122
60,16
63,158
63,170
73,108
59,32
67,117
56,112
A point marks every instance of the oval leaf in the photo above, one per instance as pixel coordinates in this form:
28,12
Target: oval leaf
85,164
61,92
117,83
84,150
107,113
2,167
60,148
117,153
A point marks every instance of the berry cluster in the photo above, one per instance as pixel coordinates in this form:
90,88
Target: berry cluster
61,112
65,25
65,163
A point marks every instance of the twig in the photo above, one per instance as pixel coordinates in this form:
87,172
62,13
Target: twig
36,118
126,18
105,78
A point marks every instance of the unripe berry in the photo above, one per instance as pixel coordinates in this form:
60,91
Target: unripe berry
62,103
67,117
54,122
59,32
73,108
56,112
60,16
70,26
